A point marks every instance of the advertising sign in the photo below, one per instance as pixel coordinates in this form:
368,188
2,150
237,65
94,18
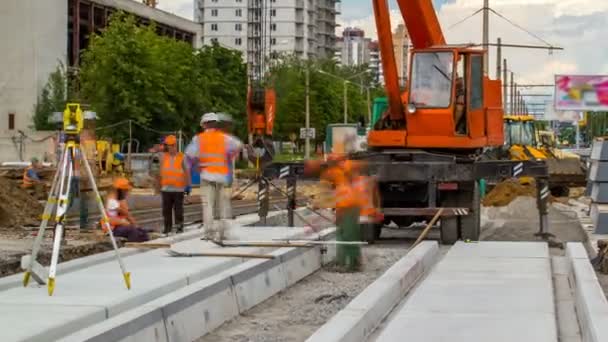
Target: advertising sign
581,93
551,114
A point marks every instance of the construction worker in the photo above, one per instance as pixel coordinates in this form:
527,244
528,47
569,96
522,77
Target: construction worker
226,124
213,149
123,224
174,182
338,175
347,203
31,179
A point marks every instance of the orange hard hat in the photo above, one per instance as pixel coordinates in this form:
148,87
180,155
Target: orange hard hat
170,140
122,184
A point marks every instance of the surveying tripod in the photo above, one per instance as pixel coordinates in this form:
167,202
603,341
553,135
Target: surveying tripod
59,199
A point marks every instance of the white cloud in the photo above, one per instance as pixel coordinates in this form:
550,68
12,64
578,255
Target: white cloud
579,26
183,8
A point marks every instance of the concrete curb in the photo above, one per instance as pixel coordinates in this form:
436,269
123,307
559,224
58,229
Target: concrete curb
590,301
192,232
195,310
364,313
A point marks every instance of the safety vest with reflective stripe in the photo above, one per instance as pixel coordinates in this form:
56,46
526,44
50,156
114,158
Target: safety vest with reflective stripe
172,170
364,189
213,157
27,181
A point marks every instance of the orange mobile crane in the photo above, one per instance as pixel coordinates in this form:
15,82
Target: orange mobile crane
436,139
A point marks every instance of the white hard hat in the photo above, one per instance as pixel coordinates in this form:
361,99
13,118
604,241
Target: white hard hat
209,117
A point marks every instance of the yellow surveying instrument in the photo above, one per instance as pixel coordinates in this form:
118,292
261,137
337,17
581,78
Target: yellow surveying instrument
60,197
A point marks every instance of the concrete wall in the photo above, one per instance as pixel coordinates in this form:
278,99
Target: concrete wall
40,144
33,35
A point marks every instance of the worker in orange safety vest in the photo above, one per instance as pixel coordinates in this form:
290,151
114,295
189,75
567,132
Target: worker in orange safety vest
31,179
120,220
370,214
214,150
174,182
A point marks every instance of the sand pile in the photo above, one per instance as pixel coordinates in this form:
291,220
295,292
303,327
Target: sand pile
17,207
505,192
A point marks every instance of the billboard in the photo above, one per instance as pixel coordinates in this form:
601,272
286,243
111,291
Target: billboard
551,114
581,93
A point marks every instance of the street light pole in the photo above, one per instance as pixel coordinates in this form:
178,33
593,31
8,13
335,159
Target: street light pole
307,146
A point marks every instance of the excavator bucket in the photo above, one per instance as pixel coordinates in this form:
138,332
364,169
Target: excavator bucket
568,168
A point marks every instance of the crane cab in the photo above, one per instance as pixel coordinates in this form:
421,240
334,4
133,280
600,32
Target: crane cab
449,103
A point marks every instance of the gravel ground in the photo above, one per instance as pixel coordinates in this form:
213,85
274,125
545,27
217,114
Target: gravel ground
294,314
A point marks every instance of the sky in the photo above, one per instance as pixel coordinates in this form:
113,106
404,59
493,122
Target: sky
579,26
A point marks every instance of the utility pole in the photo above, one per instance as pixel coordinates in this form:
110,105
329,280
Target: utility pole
512,105
498,58
505,84
345,102
307,146
486,35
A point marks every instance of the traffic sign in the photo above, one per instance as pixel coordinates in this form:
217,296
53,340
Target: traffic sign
311,133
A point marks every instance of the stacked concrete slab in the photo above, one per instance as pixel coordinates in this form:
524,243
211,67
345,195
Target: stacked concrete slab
598,177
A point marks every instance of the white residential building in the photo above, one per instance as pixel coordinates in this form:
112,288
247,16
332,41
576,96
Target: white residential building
353,48
39,35
302,27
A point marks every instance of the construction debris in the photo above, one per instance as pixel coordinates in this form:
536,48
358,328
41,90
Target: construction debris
17,207
505,192
600,262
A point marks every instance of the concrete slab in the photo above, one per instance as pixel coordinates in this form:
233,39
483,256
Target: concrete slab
599,216
590,301
495,249
504,288
30,322
598,172
599,150
456,327
100,287
599,192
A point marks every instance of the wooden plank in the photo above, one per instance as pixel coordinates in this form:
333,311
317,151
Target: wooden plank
221,255
147,245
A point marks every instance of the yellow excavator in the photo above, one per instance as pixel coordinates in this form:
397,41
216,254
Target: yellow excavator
525,142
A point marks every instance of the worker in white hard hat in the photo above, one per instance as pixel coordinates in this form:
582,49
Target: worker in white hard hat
214,150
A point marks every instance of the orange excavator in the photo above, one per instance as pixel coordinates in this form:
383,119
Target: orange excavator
261,107
261,96
435,141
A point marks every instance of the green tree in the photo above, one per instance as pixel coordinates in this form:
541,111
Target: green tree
52,99
326,94
130,73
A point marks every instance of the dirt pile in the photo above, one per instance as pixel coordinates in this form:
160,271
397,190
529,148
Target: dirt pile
505,192
17,207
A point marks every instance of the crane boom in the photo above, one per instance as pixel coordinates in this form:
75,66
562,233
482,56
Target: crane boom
422,23
389,66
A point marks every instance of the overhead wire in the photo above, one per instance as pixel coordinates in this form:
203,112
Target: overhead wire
465,19
521,27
